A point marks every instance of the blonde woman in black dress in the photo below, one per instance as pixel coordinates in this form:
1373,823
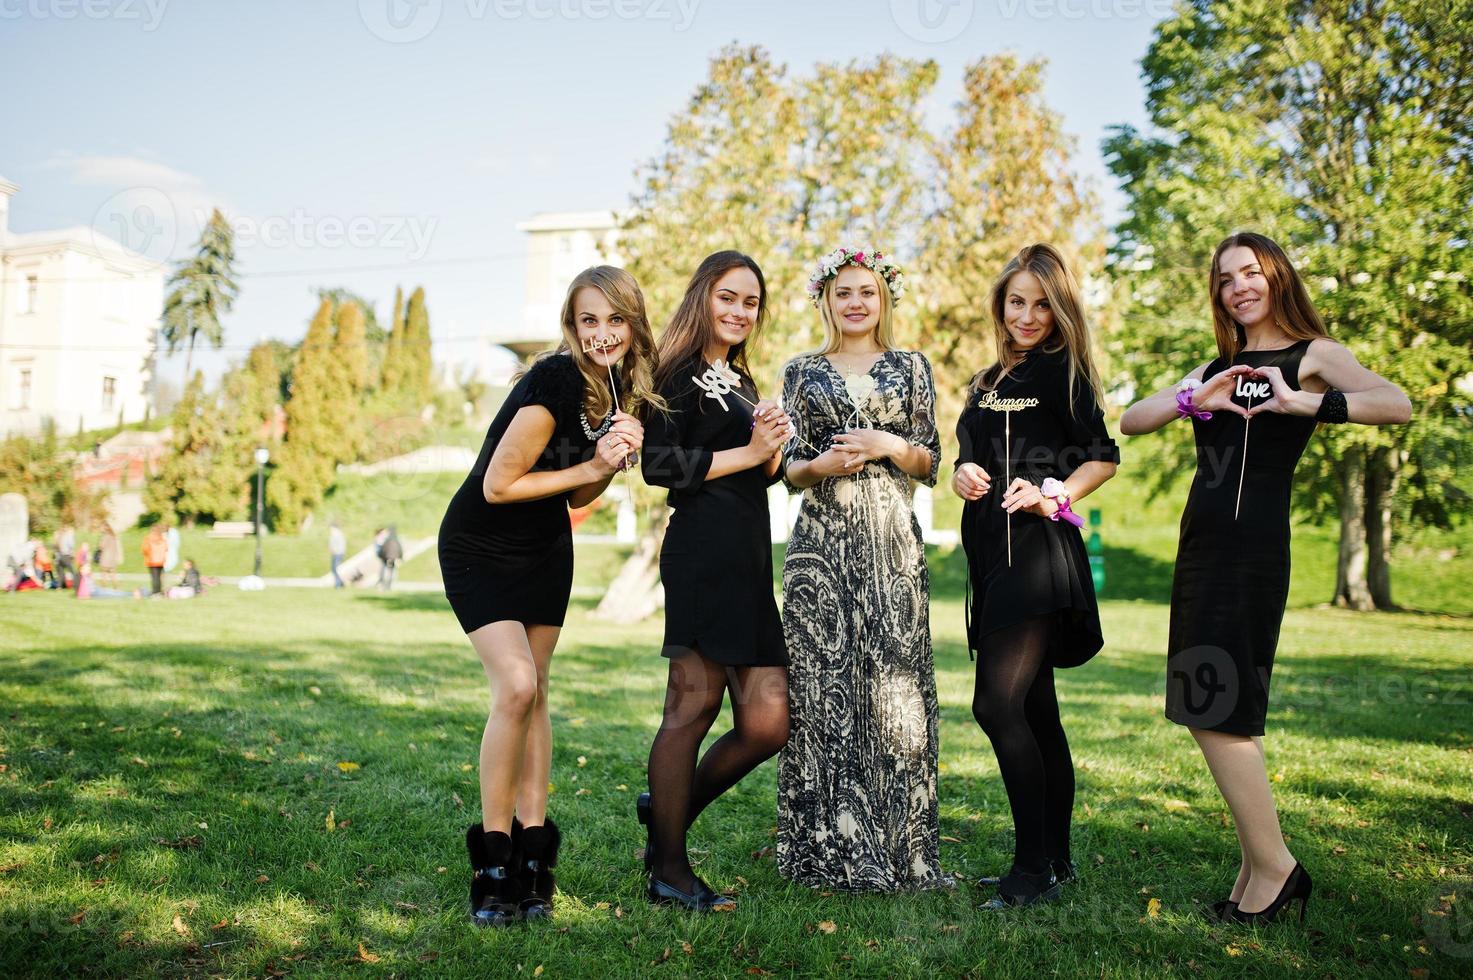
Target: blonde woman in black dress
857,783
716,449
1034,418
1276,366
506,554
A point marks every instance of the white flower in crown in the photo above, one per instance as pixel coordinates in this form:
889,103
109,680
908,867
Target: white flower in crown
872,259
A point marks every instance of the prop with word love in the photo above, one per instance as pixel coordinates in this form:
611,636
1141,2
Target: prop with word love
598,344
719,380
1249,389
991,402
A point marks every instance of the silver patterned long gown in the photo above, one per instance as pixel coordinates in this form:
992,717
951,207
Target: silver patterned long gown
857,780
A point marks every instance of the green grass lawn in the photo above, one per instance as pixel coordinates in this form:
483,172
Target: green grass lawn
169,770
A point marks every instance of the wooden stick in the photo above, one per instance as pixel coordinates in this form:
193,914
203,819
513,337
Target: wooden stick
1243,470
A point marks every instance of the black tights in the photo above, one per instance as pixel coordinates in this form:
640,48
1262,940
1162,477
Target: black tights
680,789
1016,705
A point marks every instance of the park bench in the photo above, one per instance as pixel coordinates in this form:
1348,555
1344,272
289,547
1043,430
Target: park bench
232,529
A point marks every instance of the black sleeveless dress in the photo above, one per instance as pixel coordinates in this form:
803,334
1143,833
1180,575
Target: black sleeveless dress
1053,430
1232,572
716,560
515,561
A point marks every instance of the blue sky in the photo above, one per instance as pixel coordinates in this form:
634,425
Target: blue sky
368,142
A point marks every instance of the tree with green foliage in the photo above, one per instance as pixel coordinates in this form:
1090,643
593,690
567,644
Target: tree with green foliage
201,290
392,373
205,476
1343,132
304,468
418,380
39,469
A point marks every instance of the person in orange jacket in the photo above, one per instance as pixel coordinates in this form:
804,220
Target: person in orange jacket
155,553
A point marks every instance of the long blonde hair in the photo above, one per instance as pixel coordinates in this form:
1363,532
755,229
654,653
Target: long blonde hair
684,337
1289,301
833,335
1071,330
635,373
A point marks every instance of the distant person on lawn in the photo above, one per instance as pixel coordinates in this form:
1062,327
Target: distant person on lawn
337,549
109,556
391,554
155,553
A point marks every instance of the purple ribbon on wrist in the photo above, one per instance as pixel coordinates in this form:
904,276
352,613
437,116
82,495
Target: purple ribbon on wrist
1187,410
1054,490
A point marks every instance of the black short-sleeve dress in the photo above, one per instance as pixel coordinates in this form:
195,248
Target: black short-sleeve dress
514,561
1231,580
1053,430
716,561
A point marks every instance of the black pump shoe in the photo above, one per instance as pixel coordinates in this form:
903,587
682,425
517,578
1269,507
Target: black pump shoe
644,810
537,849
494,891
700,899
1220,911
1018,889
1296,886
1065,872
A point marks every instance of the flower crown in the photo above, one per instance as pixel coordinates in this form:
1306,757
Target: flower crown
877,262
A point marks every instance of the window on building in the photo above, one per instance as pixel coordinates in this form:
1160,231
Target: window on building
22,399
109,393
33,287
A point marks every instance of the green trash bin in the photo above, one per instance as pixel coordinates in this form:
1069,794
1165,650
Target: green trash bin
1095,547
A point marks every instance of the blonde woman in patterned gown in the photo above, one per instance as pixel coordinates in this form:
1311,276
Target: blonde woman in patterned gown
857,780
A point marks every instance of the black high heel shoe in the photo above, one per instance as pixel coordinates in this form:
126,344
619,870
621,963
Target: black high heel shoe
1218,911
1065,873
700,899
1019,888
1297,886
644,810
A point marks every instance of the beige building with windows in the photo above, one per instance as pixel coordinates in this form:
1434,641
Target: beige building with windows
559,246
78,317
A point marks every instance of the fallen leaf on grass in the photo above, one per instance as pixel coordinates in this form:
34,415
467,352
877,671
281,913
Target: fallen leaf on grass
331,823
537,972
661,958
584,792
1153,908
952,840
348,766
315,691
182,843
179,925
46,824
262,879
222,924
466,767
827,927
139,762
429,957
602,907
687,948
76,920
6,869
1177,806
1234,950
459,803
582,761
364,956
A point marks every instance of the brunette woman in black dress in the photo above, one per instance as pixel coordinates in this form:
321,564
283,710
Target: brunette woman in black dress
1277,367
1033,418
716,448
506,554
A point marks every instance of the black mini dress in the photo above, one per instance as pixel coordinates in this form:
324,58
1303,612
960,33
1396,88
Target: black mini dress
716,560
1231,581
514,561
1052,430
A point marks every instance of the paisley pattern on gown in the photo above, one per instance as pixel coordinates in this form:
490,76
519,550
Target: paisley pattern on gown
857,780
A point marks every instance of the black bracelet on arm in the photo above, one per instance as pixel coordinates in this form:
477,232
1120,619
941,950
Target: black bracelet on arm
1333,408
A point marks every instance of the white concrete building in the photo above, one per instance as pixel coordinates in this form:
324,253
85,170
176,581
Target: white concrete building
78,315
559,246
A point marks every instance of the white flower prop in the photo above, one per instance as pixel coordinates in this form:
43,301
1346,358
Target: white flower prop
876,261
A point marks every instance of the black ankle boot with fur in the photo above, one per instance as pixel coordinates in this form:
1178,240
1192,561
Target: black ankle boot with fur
495,895
537,849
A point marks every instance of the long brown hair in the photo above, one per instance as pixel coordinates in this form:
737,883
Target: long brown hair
636,369
691,327
1289,302
1071,329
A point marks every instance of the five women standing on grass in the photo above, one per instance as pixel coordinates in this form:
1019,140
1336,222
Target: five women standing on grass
857,782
